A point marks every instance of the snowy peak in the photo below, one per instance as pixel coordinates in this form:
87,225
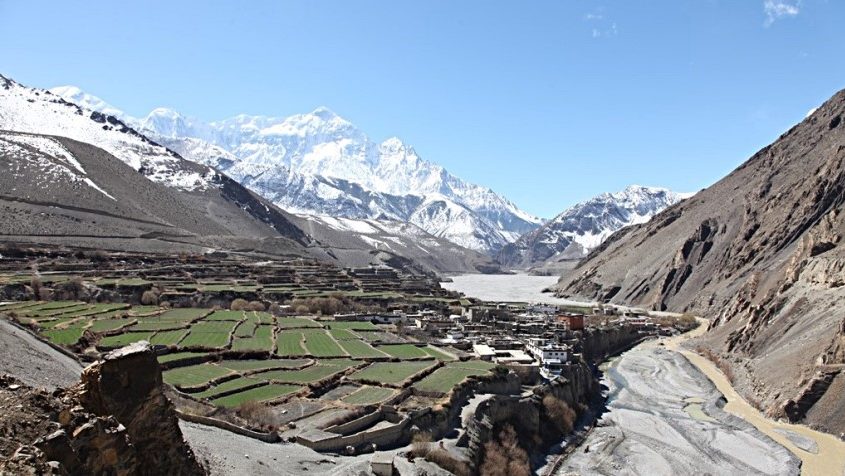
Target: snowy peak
584,226
322,164
88,101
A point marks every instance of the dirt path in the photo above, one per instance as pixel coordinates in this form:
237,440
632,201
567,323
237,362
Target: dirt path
822,455
37,364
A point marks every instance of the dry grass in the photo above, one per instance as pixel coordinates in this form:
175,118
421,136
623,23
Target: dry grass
149,298
505,457
560,413
258,415
445,460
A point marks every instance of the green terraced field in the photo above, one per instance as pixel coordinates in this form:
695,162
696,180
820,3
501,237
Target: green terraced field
215,326
144,310
260,394
374,336
168,337
296,322
360,349
390,372
320,344
183,314
76,322
206,340
157,325
369,395
39,313
194,375
263,317
228,386
121,340
225,316
246,329
312,374
174,356
474,365
67,336
262,340
352,325
103,325
247,365
438,354
446,378
289,344
10,306
404,351
343,334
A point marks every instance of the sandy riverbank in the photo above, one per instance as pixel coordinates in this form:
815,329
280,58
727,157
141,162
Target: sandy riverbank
821,454
664,418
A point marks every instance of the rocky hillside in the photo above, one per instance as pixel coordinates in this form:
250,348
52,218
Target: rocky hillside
319,163
759,254
583,227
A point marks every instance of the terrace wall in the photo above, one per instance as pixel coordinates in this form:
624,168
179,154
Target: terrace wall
383,437
271,437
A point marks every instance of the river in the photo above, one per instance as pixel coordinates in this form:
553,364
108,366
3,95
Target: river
671,411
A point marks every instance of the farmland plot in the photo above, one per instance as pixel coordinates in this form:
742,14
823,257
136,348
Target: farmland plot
194,375
120,340
404,351
261,340
369,395
390,372
361,350
258,394
320,344
289,344
247,365
168,337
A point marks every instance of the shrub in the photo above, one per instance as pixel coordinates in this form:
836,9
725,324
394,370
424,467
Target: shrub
255,306
275,309
258,415
149,298
36,285
559,413
505,457
239,305
420,443
445,460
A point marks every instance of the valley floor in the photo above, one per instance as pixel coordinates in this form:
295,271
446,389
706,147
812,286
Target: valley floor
671,411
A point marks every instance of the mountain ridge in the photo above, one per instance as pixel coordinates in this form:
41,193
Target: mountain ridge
584,226
309,152
759,253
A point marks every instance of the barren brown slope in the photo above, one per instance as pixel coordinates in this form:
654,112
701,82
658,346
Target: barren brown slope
760,254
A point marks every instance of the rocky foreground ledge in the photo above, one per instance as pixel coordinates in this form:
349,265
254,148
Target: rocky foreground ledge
115,421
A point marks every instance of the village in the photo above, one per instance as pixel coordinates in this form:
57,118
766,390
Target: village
543,337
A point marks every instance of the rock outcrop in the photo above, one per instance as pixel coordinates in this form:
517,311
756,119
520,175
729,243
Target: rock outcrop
115,421
759,254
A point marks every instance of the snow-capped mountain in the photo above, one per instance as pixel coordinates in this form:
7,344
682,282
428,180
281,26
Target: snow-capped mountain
319,163
94,180
37,111
584,226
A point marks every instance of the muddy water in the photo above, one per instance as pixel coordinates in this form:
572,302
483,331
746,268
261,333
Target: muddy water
820,453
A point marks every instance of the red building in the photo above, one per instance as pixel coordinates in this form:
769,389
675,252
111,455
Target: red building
574,322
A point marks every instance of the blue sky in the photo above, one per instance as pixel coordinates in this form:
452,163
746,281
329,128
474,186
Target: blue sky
547,102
